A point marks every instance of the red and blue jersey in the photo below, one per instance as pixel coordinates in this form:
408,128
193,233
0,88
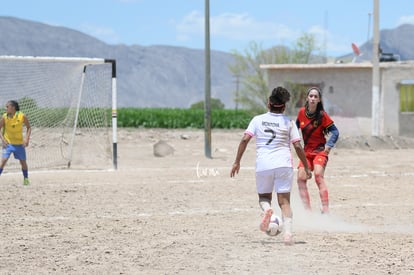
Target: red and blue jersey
314,130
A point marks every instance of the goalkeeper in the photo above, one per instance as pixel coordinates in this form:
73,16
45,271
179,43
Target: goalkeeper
11,126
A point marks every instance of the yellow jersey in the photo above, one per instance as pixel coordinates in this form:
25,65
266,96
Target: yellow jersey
13,128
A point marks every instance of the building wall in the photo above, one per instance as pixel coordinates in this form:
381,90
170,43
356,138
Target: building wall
406,122
347,89
341,89
396,123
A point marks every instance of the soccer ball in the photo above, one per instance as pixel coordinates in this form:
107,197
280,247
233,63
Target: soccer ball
275,226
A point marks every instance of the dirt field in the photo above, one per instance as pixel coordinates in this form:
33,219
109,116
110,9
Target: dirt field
183,214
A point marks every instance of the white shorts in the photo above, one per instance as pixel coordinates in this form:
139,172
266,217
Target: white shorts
279,179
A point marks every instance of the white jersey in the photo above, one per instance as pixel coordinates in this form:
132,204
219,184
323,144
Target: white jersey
274,133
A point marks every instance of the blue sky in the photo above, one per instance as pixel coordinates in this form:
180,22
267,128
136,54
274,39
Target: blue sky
336,24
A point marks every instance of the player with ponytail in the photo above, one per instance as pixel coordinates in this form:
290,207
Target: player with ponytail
11,125
274,133
315,124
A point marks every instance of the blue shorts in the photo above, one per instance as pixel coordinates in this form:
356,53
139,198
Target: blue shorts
18,151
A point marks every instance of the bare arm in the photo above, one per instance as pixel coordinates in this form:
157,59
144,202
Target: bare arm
28,131
301,155
240,151
2,130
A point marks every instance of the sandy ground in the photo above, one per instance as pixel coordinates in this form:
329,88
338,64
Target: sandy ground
183,214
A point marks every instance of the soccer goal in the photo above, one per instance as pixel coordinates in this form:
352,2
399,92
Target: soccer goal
71,106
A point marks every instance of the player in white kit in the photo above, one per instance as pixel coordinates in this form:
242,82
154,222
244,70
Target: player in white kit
274,133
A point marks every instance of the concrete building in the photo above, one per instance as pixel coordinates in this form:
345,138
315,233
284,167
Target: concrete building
347,90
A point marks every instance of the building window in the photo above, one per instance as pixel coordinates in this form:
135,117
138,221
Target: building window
407,96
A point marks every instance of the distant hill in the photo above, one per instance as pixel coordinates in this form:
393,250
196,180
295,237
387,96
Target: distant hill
155,76
398,41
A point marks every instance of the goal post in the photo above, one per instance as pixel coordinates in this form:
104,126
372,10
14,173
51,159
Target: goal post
71,106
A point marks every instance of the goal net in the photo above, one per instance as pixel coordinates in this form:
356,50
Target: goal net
71,106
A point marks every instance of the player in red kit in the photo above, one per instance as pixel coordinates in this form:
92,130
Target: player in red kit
315,125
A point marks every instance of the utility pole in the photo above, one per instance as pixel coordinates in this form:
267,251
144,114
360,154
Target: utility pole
375,117
369,27
207,83
237,91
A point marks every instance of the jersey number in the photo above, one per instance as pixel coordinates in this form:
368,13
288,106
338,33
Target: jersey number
273,135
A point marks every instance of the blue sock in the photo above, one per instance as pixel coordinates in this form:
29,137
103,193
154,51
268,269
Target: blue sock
25,173
1,170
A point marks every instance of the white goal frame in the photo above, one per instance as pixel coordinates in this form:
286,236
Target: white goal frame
86,63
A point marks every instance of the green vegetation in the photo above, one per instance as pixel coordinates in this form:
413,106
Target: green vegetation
140,117
215,103
255,90
136,117
181,118
64,117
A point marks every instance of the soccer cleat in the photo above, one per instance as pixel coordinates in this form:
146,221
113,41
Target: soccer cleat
26,181
324,210
264,224
288,239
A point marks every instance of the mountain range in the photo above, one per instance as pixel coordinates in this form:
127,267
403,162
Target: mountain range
157,76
